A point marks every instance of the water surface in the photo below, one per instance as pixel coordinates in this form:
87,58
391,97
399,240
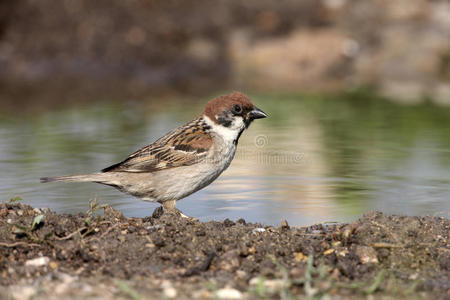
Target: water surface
315,159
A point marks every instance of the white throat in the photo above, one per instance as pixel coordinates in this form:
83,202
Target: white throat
228,134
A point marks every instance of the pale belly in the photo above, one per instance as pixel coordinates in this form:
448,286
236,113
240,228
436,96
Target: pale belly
180,182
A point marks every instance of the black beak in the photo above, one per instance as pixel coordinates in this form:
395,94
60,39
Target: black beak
256,113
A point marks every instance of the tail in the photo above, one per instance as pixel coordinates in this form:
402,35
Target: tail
95,177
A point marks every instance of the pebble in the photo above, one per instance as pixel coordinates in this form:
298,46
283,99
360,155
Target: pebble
150,245
259,229
229,294
300,257
64,285
342,253
272,285
202,294
38,262
168,290
154,227
366,254
23,292
328,252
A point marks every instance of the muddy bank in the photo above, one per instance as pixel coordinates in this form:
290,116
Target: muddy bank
47,255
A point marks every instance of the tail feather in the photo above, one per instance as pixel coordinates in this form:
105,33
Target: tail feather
95,177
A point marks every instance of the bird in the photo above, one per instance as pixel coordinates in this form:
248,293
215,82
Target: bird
184,160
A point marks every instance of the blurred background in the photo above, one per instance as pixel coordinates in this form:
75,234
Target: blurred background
357,93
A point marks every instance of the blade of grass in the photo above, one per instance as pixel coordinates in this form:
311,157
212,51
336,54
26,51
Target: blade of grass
128,290
371,289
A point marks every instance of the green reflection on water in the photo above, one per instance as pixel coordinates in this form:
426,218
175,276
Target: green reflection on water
363,134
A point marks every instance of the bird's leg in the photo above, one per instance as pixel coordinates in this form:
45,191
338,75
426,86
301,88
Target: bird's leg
170,206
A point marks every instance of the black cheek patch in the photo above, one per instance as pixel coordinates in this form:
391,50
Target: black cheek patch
224,120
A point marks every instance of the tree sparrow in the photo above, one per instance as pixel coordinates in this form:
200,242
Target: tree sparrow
183,161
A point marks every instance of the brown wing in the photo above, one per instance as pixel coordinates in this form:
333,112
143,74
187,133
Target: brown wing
184,146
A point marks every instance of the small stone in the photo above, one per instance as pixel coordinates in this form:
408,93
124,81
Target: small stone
241,221
168,290
258,230
154,227
229,261
53,265
342,252
87,288
284,225
23,292
38,262
241,274
336,244
335,273
300,257
60,288
66,277
229,293
64,284
297,272
202,294
3,212
366,254
255,281
272,285
228,223
328,252
159,242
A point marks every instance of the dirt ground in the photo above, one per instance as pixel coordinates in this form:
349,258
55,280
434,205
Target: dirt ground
44,255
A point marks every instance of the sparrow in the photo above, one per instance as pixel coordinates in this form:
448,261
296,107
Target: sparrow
184,160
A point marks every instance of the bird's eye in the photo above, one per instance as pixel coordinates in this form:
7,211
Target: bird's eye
237,109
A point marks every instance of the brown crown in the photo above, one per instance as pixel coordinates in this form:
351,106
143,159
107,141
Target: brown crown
226,102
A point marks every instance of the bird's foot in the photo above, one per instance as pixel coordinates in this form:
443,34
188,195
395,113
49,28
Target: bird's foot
171,209
179,213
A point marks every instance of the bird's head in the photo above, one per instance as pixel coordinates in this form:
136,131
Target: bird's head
233,112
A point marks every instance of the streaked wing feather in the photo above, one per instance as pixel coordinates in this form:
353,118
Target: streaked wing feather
184,146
